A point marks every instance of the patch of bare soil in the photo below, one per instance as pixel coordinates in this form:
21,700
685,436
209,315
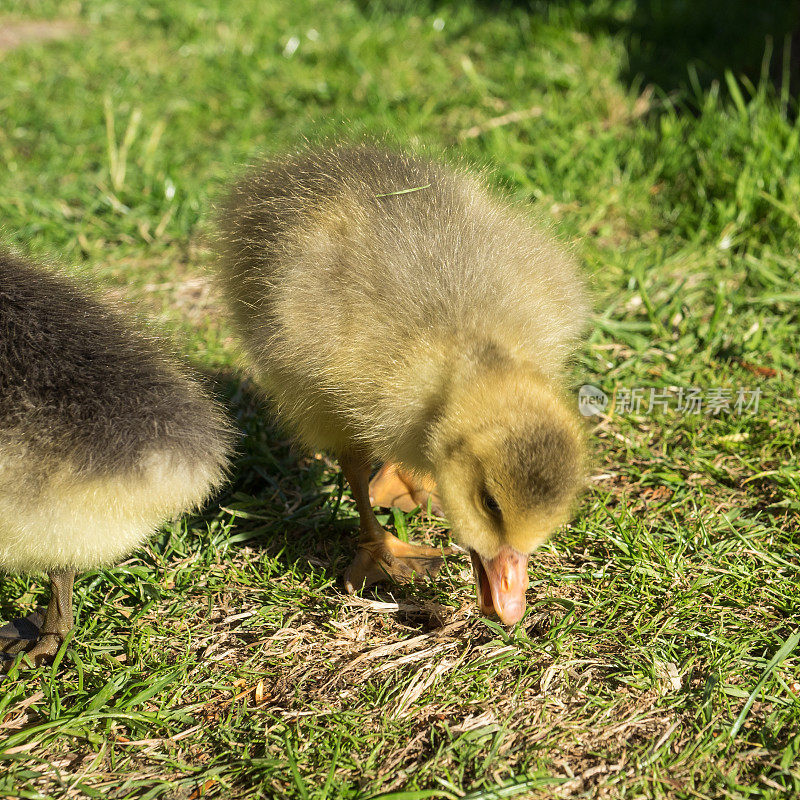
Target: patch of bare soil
16,33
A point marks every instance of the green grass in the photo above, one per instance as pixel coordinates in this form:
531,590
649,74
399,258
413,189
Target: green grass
224,660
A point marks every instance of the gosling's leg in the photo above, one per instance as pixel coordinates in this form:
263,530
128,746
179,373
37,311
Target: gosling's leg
40,637
394,487
381,555
58,618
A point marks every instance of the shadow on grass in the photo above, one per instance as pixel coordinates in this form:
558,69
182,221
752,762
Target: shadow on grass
287,502
279,494
670,43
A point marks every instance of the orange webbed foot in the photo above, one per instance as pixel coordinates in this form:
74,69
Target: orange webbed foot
385,557
394,487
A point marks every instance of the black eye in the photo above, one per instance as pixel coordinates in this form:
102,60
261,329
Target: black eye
490,504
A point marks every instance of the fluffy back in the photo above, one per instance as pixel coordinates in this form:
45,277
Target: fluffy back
81,391
361,279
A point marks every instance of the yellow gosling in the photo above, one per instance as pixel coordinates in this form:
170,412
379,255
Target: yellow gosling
396,310
102,438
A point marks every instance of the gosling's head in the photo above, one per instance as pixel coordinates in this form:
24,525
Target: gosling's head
508,457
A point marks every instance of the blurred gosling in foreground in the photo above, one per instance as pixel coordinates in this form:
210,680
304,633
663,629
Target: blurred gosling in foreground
102,438
394,310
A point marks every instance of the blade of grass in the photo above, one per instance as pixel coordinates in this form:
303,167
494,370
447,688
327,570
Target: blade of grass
777,659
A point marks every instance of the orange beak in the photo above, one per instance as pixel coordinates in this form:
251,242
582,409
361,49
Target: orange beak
501,582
